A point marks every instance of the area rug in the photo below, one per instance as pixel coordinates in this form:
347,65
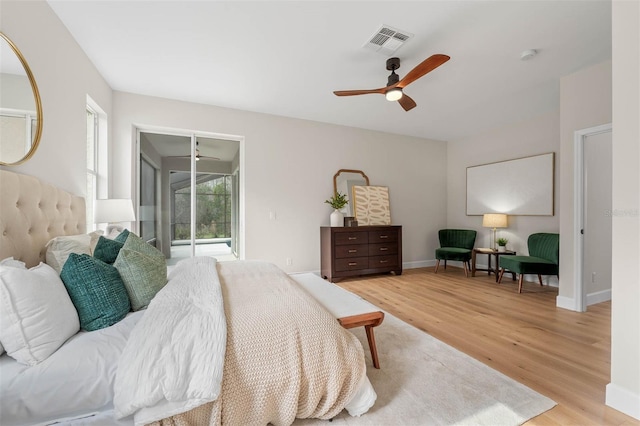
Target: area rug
423,381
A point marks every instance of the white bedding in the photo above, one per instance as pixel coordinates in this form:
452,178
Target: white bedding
75,381
174,358
79,379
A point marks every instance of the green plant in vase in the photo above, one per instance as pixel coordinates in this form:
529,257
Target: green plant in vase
338,201
502,244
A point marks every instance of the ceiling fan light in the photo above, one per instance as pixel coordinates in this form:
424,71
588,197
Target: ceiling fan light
393,94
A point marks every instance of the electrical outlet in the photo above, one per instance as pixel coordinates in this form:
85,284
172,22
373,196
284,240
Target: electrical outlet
289,261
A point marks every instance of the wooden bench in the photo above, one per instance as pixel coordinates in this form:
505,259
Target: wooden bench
350,310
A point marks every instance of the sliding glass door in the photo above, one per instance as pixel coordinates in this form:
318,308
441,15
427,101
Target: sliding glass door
197,197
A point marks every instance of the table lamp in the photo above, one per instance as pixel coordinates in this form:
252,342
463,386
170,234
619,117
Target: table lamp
113,211
494,220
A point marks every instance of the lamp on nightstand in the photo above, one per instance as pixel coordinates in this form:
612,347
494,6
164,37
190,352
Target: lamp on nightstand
114,211
494,220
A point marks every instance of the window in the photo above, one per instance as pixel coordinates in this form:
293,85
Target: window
213,208
92,165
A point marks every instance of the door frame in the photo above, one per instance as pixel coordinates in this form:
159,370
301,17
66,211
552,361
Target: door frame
579,136
240,238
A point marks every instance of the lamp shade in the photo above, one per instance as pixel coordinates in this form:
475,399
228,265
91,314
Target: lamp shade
494,220
114,210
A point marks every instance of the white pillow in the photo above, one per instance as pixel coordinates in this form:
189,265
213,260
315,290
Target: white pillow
36,313
59,248
10,261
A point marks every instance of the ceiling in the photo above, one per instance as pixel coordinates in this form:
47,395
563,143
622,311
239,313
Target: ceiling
286,58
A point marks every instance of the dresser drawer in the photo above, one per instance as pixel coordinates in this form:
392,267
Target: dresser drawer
352,264
355,250
383,261
383,236
383,249
343,238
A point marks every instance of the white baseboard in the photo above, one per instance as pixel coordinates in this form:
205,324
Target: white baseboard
623,400
566,303
598,296
418,264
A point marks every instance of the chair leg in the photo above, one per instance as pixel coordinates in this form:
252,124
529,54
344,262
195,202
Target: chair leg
445,264
437,265
540,279
520,279
500,275
466,270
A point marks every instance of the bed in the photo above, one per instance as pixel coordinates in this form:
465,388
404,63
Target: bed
219,343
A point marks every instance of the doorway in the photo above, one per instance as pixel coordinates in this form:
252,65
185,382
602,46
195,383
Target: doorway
593,168
196,207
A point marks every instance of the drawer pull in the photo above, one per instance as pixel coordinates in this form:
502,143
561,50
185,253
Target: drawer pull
353,263
353,251
353,238
384,261
384,248
384,236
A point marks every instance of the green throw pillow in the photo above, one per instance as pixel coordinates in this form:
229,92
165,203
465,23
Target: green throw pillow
143,269
96,290
122,237
138,244
107,250
143,276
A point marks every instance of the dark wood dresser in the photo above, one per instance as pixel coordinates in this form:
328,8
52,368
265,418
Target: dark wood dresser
360,250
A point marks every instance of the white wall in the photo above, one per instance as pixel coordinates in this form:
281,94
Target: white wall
288,169
597,217
623,393
65,76
585,101
537,135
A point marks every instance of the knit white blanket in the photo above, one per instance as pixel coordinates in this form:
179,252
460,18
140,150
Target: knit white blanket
173,360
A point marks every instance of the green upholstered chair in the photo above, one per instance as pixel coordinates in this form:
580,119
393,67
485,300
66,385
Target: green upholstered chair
455,244
543,259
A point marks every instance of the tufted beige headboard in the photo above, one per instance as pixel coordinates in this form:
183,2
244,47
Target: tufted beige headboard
31,213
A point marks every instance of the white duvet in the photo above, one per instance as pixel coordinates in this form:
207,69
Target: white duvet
165,369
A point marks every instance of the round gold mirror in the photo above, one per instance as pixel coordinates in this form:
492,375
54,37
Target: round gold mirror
20,106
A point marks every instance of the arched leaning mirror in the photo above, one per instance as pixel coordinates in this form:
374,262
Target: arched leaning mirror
344,180
20,106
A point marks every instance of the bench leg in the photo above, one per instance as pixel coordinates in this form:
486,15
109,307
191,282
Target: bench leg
372,346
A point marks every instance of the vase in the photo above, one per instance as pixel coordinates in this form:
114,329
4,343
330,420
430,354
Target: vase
502,248
337,218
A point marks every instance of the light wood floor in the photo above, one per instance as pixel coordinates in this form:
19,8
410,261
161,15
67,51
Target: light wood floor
561,354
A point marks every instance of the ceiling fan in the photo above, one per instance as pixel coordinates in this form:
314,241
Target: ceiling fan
393,89
198,156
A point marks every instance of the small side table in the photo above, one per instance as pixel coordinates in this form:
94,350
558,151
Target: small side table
490,252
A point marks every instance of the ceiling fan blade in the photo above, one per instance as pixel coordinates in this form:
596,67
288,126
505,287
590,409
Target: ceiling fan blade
406,102
359,92
426,66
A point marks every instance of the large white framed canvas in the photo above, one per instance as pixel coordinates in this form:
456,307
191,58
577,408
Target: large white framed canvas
522,186
371,205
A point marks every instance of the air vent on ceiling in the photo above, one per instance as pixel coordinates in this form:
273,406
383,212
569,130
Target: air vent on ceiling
387,40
